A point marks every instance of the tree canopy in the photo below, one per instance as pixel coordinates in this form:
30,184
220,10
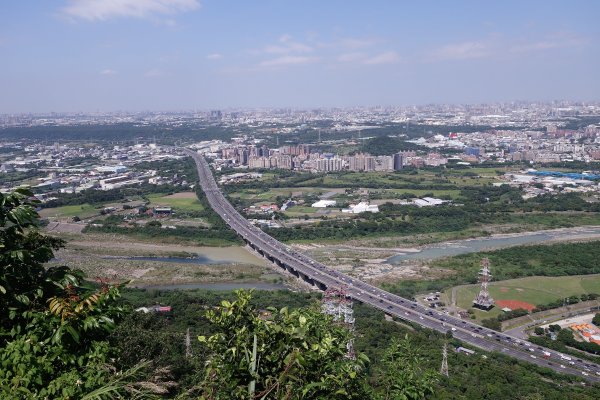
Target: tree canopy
279,354
53,327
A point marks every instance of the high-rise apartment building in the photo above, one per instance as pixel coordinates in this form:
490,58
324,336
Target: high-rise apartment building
398,162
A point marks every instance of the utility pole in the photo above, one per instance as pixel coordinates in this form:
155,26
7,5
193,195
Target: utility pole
444,367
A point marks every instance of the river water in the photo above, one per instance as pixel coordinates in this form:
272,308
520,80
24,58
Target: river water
434,251
453,248
225,286
199,259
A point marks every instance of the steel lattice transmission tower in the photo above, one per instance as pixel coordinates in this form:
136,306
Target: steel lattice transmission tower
483,300
188,344
444,367
338,304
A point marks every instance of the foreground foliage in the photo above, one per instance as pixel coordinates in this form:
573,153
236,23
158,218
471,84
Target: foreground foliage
52,328
471,377
279,354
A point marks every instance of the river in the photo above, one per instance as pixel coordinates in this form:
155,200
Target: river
454,248
225,286
197,259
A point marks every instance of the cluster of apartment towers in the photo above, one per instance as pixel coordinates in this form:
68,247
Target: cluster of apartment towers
301,157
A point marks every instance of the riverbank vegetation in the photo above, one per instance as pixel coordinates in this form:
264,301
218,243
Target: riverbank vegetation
539,262
556,259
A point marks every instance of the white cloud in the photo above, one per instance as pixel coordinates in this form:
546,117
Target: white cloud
556,41
108,71
287,60
286,52
287,46
285,38
171,23
214,56
389,57
351,57
499,46
101,10
353,43
290,47
153,73
461,51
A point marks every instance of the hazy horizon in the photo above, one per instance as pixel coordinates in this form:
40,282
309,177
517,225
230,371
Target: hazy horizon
176,55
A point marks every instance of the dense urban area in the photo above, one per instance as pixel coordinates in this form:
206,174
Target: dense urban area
457,246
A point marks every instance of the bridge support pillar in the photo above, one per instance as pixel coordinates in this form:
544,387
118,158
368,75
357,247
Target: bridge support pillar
293,271
306,278
280,264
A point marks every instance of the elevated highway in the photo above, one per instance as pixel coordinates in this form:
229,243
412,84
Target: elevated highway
322,277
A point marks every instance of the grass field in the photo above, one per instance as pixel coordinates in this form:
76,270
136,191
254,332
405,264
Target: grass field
476,177
300,210
272,194
82,211
421,192
535,290
186,201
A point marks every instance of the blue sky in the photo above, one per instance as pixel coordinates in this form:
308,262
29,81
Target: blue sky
110,55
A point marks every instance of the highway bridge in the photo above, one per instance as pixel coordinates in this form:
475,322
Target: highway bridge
323,277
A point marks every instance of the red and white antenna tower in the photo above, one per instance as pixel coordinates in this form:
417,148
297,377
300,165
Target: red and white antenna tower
483,300
338,304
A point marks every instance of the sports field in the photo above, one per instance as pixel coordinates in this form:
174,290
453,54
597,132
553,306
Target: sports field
185,201
532,290
80,210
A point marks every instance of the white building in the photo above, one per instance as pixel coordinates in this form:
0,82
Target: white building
361,207
324,203
429,202
115,169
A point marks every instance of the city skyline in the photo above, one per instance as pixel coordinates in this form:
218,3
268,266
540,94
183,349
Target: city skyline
88,55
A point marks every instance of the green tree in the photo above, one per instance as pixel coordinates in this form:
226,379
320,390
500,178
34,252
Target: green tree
533,396
52,328
402,376
279,354
596,319
554,328
538,330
